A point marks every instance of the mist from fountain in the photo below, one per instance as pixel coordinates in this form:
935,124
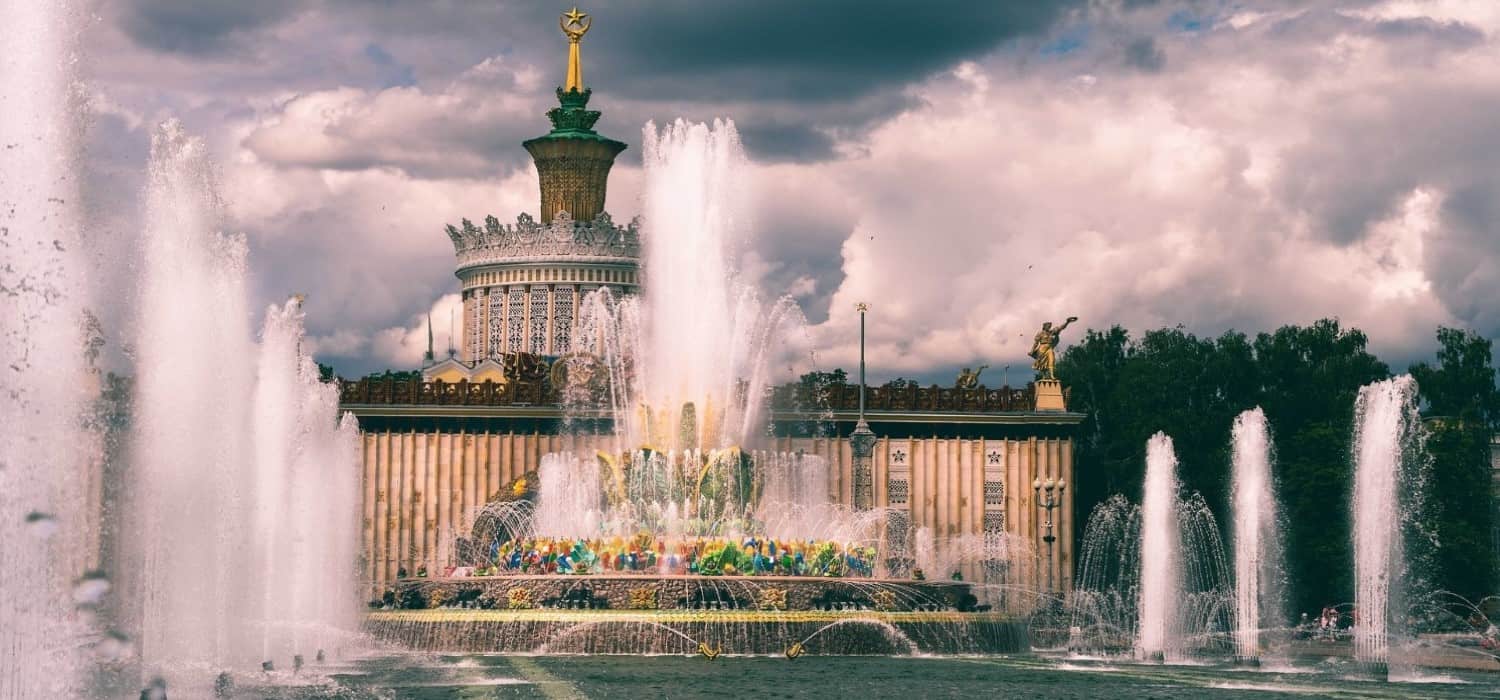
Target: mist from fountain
1107,593
243,478
1387,436
1259,586
47,531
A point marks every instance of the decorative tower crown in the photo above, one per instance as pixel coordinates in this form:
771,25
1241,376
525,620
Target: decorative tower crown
573,161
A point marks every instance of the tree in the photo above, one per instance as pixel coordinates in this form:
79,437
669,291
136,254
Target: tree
401,376
1309,377
1305,377
1091,368
1462,407
901,384
1170,381
815,381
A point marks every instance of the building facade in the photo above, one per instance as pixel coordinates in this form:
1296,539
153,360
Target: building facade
953,462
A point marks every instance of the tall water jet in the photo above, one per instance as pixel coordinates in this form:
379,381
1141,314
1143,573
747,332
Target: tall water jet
1161,570
192,385
1258,598
1386,426
45,455
693,213
243,480
689,362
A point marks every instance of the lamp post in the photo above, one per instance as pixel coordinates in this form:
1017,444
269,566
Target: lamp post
1049,496
862,440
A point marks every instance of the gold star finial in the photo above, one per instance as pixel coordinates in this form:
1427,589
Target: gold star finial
574,24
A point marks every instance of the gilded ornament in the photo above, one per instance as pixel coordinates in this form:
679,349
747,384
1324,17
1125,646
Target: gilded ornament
771,599
519,599
643,598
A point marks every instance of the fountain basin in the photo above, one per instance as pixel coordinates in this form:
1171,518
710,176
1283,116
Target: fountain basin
685,592
682,631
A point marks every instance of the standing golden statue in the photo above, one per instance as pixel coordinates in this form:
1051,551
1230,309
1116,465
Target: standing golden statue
1044,349
574,24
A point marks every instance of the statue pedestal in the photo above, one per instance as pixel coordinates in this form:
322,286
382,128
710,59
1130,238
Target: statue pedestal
1049,395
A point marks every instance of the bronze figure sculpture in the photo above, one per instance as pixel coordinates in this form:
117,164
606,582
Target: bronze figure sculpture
968,378
1044,346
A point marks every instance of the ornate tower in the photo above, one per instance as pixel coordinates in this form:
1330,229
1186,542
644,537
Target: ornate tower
573,161
522,283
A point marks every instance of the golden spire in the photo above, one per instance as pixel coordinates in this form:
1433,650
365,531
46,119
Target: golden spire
574,26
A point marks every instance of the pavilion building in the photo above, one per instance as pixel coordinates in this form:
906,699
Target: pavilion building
955,461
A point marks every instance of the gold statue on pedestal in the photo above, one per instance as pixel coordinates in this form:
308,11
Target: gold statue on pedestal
1044,348
574,26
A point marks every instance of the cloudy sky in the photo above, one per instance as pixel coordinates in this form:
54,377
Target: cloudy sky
969,169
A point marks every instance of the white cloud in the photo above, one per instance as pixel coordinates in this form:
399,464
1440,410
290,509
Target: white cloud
1014,196
458,131
402,347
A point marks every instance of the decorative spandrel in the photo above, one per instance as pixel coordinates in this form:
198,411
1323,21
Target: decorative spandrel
496,323
537,333
515,324
562,318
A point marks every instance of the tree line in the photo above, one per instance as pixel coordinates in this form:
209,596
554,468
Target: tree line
1306,379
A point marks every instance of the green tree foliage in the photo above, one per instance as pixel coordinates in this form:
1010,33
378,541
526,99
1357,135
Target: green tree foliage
1305,377
901,384
816,382
1463,408
1169,381
1309,377
400,376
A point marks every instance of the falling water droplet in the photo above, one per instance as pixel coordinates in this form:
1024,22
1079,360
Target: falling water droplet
91,588
157,690
115,646
41,525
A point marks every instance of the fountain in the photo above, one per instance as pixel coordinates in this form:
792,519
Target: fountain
1257,547
243,484
48,529
1161,568
1153,579
1386,432
674,511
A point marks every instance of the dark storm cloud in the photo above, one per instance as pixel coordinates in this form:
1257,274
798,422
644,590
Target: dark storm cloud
804,51
787,142
199,26
1144,54
840,65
